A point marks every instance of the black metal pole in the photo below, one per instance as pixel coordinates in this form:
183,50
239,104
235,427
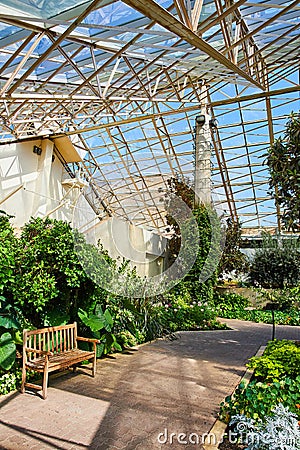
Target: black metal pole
273,324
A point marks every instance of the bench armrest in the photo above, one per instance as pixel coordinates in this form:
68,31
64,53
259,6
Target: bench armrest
39,352
79,338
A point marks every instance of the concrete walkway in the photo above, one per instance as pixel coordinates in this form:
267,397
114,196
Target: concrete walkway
139,398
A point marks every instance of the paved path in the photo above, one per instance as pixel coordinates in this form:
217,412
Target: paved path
162,387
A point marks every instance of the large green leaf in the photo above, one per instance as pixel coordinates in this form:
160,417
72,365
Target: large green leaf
98,310
94,322
9,322
100,350
7,351
108,318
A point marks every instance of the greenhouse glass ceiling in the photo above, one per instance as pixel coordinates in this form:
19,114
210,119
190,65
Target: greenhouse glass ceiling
126,79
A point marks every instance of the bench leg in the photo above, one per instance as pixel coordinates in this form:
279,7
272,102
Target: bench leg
45,380
23,379
95,359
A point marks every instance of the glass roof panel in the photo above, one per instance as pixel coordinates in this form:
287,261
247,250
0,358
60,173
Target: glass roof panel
129,81
43,9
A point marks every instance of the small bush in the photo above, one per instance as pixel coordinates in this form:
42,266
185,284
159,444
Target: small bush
229,303
126,339
281,358
276,380
10,381
276,264
180,312
259,398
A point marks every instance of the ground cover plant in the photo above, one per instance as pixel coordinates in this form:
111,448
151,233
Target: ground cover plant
275,384
276,431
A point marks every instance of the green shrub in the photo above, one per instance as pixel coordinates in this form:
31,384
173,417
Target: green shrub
8,246
126,339
280,359
10,381
179,311
228,303
291,317
276,380
277,263
259,398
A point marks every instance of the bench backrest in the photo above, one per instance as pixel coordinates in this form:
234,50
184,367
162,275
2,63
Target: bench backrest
54,339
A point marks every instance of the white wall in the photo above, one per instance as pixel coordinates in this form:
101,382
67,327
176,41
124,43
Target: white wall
144,249
41,193
39,177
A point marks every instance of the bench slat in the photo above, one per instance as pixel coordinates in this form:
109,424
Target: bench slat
49,329
61,359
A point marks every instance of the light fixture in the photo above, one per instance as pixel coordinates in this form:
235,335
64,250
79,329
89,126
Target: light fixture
200,120
37,150
213,123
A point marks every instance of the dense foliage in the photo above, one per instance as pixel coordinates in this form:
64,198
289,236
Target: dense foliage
277,263
280,359
257,399
8,246
49,280
276,380
229,304
202,277
232,261
284,164
181,311
235,306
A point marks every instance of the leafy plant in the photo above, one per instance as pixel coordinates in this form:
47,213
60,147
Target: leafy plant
208,225
280,358
101,324
9,334
276,379
9,381
49,278
232,259
229,302
257,399
7,351
180,312
126,339
8,244
278,431
283,160
277,263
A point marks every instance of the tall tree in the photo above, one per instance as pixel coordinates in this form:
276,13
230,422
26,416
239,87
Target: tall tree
284,164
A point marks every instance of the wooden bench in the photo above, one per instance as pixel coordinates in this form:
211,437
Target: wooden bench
53,348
